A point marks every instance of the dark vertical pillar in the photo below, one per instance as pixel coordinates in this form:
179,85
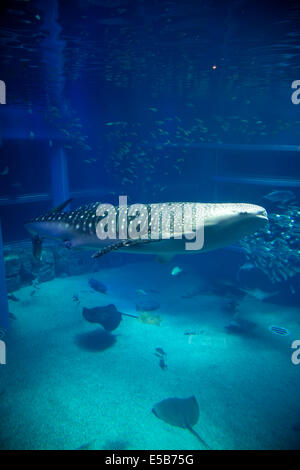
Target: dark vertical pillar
59,176
4,317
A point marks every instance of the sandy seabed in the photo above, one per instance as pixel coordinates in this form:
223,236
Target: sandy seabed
68,385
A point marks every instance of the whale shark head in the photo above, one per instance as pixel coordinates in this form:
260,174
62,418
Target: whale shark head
245,218
229,222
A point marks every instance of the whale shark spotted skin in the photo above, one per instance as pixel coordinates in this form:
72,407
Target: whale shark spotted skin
223,224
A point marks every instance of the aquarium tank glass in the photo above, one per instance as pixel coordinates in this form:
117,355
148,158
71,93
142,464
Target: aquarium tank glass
150,225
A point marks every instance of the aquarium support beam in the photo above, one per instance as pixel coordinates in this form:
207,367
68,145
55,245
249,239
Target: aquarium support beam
45,197
59,176
4,311
273,182
260,148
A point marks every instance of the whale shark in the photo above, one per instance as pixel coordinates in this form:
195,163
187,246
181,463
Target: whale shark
222,224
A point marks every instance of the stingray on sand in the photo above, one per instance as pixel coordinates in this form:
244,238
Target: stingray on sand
181,412
109,317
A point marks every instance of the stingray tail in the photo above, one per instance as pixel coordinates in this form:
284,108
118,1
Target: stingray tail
198,437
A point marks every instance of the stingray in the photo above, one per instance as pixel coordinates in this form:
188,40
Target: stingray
108,316
181,412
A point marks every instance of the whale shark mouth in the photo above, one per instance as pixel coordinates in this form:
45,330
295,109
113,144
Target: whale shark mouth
262,214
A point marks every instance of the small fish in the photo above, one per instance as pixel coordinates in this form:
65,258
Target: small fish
13,298
160,351
282,197
247,266
193,332
86,445
278,330
175,271
163,364
141,291
76,298
259,294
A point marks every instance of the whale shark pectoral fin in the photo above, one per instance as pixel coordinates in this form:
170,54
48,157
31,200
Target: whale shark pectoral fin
118,245
115,246
109,248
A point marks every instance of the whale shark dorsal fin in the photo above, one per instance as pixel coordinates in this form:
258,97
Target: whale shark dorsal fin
61,206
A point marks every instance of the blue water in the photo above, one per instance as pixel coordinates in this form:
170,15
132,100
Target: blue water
159,101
